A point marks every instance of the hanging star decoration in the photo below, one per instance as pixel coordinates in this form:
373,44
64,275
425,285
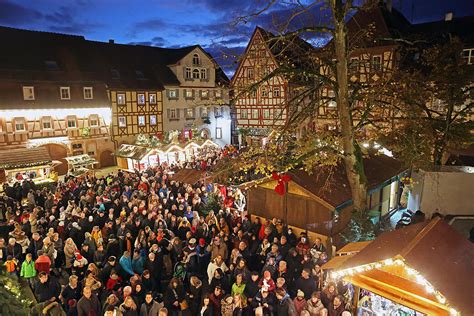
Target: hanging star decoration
282,179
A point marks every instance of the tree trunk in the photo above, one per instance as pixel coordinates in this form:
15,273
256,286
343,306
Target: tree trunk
353,160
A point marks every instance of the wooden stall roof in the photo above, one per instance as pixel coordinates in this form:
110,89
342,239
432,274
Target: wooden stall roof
437,251
24,157
132,151
353,247
81,160
336,262
329,183
190,176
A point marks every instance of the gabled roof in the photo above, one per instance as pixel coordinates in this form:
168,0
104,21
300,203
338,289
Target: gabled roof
462,27
330,183
434,249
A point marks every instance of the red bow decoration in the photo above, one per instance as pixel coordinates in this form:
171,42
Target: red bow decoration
280,187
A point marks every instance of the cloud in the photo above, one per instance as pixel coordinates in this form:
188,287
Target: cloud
17,15
64,20
155,41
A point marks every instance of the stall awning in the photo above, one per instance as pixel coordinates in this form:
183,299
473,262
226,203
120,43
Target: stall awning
132,151
80,161
24,158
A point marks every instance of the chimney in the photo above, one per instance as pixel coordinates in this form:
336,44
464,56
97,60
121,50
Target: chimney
389,5
111,41
448,16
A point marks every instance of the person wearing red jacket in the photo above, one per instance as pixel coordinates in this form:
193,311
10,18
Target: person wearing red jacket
43,263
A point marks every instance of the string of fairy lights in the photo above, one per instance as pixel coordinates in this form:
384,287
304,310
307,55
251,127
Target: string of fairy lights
420,279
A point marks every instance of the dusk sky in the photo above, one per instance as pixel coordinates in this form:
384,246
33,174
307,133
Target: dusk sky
174,23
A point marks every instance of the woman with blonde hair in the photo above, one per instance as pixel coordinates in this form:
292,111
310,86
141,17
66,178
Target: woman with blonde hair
69,250
128,307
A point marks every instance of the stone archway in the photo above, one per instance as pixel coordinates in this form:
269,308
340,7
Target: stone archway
58,152
106,159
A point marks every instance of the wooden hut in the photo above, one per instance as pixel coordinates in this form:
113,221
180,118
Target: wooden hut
320,201
422,269
18,164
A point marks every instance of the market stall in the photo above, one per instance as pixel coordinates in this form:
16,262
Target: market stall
80,164
17,165
422,269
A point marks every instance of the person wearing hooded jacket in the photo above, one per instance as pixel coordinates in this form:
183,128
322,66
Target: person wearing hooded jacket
285,306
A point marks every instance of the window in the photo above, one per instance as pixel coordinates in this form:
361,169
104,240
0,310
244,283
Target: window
468,55
152,97
152,119
71,122
253,94
173,114
204,112
354,63
141,120
140,75
141,98
244,113
218,94
264,92
88,93
203,74
205,94
189,113
115,74
331,127
121,98
437,105
331,99
277,113
266,71
28,93
266,114
65,93
218,133
377,63
255,113
20,125
189,94
218,111
93,121
122,121
51,64
187,73
250,73
196,59
196,74
276,92
172,94
46,122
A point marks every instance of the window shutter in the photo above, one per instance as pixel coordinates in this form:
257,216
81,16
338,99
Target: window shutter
184,93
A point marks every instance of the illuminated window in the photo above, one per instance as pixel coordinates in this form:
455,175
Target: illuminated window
141,98
218,111
189,94
122,121
196,59
141,120
244,113
172,94
255,113
218,133
218,94
88,93
152,119
377,62
205,94
28,93
468,55
121,98
189,113
152,97
65,93
204,112
331,96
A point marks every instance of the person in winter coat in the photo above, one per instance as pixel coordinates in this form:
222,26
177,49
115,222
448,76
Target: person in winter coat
43,263
266,300
218,248
217,263
138,262
174,297
238,287
28,271
306,284
285,306
206,308
328,294
128,307
314,305
299,302
126,264
150,307
47,289
215,299
336,307
194,294
88,304
69,250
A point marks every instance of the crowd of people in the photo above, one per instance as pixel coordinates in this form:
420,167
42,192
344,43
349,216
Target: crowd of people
144,244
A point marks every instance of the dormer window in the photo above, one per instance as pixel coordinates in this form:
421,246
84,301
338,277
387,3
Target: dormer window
28,93
65,93
46,122
196,59
115,73
468,55
139,74
51,64
20,125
